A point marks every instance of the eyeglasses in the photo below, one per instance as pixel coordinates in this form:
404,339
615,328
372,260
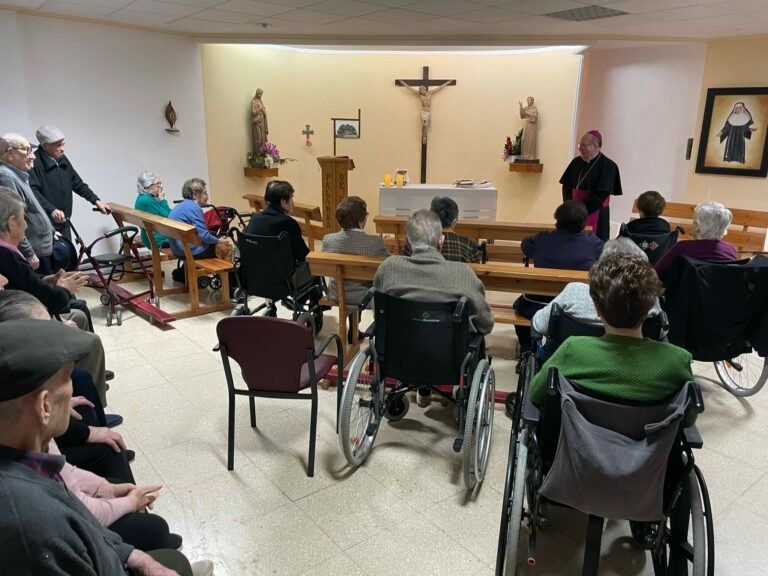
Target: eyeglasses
26,151
585,146
156,185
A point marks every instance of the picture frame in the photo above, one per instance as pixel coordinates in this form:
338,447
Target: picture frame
347,128
734,132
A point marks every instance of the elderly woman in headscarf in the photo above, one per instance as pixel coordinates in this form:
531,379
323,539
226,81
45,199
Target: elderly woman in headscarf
737,128
710,225
151,199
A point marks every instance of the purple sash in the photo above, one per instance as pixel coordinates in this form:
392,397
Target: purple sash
579,194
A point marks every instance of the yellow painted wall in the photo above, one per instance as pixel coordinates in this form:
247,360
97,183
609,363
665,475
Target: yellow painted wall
469,121
730,63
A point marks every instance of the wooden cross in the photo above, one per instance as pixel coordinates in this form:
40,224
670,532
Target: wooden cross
307,132
425,95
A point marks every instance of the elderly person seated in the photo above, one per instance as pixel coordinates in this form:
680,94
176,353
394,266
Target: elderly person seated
151,199
427,275
575,300
352,214
55,292
276,218
16,161
568,247
190,211
44,528
650,206
621,364
710,225
455,248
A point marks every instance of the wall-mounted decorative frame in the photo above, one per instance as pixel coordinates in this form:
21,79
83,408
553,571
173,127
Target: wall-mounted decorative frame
734,132
346,129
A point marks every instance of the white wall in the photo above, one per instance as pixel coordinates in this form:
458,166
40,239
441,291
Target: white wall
13,110
107,88
643,100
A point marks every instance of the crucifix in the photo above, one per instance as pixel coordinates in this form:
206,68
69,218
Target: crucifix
308,132
425,96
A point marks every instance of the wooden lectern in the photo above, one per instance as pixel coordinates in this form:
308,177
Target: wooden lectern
335,187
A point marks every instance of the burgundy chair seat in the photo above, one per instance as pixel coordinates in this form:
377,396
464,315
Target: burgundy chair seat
323,365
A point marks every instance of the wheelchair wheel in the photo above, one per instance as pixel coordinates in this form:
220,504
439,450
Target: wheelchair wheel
203,282
513,506
478,426
683,550
744,375
317,315
396,407
361,403
215,282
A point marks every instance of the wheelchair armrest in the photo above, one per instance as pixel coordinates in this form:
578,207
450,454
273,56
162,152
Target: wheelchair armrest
531,412
367,298
475,342
693,437
324,344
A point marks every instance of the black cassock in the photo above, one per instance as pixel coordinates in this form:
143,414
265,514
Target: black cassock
735,141
600,179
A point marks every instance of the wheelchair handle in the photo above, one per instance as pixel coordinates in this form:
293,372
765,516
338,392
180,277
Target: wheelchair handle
460,307
697,398
94,209
367,298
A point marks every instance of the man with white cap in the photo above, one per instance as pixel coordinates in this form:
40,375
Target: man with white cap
44,528
53,179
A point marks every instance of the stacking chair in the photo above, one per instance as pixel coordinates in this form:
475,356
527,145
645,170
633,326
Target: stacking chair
277,359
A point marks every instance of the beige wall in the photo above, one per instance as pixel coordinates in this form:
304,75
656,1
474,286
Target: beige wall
469,122
730,63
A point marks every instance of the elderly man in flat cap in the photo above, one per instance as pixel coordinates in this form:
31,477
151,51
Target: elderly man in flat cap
44,528
16,160
53,179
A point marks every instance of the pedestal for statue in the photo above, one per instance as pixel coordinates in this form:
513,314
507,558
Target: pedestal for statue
335,180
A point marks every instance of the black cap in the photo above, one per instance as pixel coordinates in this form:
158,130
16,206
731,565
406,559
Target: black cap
31,351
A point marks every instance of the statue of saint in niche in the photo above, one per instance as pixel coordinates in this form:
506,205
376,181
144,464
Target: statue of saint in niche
259,126
528,143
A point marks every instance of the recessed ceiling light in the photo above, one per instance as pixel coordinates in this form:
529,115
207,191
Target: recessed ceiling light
586,13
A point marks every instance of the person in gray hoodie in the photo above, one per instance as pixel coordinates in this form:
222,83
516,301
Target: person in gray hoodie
16,161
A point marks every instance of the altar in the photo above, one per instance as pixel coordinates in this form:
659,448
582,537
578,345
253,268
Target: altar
474,203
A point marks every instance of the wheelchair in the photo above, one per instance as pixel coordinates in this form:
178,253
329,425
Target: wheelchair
266,269
654,245
719,313
414,345
655,483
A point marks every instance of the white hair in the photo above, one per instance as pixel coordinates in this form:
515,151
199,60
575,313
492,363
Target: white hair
145,180
423,230
11,140
711,221
10,205
622,245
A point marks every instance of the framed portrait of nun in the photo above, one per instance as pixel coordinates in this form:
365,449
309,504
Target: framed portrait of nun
734,132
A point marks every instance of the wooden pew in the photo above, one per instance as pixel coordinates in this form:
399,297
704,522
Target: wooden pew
307,215
186,234
495,276
747,232
507,234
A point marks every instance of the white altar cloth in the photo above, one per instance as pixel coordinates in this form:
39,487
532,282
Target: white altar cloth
474,203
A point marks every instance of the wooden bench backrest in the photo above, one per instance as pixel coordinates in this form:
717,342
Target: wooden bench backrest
477,230
308,216
747,231
495,276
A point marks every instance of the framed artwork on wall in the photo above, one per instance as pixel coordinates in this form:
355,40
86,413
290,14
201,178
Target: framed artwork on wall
734,132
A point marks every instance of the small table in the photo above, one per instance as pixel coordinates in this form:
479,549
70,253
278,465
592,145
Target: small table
474,203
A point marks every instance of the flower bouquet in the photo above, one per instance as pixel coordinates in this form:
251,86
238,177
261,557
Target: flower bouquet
512,149
268,157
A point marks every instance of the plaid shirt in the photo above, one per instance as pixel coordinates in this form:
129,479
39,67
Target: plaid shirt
455,248
46,465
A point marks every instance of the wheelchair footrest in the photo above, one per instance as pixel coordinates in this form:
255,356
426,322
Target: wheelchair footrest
457,444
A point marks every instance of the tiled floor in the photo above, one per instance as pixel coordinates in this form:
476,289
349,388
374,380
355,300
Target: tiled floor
405,511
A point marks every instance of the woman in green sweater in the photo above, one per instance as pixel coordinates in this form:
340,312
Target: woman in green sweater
151,199
621,364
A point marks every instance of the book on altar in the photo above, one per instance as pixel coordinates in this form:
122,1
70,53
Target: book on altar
473,184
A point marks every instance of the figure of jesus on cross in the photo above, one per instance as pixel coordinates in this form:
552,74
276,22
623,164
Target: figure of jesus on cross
425,96
426,103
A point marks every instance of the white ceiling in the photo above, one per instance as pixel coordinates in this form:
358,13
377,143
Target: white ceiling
463,22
